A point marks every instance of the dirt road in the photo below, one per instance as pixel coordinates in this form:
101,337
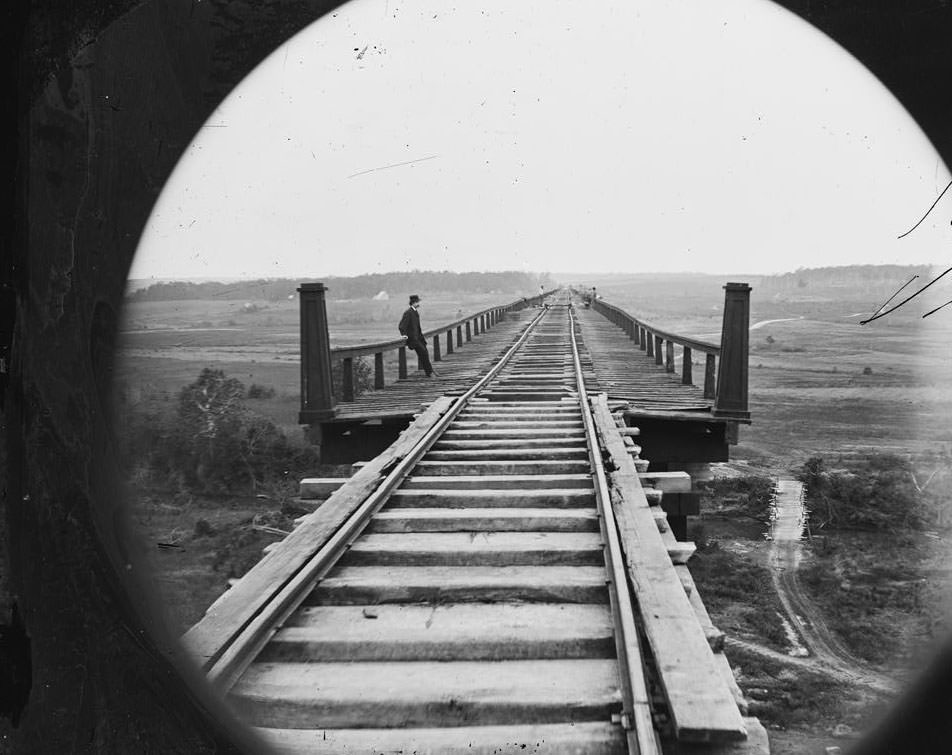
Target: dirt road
827,655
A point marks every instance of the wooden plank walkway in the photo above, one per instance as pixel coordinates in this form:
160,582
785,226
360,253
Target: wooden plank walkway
457,372
615,365
612,363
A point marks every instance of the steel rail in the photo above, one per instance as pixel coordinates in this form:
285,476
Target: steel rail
637,720
236,657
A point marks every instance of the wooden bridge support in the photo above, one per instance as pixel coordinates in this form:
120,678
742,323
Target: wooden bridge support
378,371
731,400
402,363
317,394
347,384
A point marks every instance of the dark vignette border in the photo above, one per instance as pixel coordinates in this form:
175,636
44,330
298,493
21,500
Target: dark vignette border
105,95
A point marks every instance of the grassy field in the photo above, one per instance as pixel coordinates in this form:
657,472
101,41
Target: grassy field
820,384
165,345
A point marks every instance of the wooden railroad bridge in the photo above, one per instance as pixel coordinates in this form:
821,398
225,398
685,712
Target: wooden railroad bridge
508,573
686,396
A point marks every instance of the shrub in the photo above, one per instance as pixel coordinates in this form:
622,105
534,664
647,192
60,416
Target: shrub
203,529
212,444
751,495
363,377
260,391
876,495
209,431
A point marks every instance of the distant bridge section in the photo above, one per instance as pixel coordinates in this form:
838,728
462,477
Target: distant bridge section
725,364
651,370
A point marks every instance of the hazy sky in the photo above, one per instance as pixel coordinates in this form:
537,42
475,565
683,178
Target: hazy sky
551,136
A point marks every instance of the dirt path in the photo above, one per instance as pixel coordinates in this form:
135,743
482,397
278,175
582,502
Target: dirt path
827,654
818,665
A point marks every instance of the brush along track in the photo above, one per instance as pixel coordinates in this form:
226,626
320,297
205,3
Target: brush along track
476,610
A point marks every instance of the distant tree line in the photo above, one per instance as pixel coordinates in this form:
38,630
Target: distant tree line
865,277
513,283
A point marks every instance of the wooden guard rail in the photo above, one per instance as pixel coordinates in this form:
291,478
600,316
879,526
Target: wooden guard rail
725,366
317,391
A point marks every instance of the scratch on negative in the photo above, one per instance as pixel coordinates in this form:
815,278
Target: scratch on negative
394,165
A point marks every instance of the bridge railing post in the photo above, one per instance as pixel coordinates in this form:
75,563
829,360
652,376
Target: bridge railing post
658,356
731,398
348,381
402,363
437,357
710,376
686,356
317,389
379,381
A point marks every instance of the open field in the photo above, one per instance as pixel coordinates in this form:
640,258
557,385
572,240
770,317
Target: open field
164,345
820,384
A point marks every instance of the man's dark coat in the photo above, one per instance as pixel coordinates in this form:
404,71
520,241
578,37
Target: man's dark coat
410,327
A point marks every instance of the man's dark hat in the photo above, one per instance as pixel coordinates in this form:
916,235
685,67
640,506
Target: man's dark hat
414,298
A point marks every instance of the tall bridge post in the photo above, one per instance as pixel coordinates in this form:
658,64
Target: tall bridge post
317,395
731,400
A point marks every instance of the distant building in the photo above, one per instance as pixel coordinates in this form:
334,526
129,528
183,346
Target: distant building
382,296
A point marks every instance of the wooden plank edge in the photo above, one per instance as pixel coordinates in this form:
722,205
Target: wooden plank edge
757,743
631,499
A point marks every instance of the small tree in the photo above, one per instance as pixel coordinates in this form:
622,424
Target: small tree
212,443
210,413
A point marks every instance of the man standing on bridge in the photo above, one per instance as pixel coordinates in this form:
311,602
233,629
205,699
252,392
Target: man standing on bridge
410,329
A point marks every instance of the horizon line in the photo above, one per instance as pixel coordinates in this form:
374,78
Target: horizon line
558,273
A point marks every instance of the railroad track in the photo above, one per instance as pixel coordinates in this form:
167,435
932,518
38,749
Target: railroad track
475,601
